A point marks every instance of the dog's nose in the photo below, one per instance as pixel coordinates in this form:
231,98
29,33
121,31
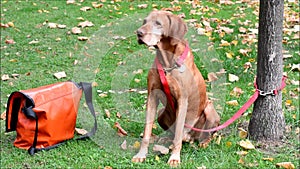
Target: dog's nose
139,32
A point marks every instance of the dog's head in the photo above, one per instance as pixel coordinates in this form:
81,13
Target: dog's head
161,24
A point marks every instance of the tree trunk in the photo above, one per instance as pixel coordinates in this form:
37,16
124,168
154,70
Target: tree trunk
267,122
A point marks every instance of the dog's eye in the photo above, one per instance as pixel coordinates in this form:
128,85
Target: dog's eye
144,22
157,23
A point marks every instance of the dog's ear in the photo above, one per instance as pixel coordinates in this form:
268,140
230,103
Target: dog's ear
176,30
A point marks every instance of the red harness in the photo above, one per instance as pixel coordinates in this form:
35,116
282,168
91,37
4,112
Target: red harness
238,114
163,79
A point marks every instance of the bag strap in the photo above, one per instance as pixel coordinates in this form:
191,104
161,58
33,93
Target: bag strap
29,113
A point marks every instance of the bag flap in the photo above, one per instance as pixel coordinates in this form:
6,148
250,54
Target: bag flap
15,103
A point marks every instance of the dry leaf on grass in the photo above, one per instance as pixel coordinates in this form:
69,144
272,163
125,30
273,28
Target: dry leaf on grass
82,38
162,149
286,165
233,78
142,6
85,24
52,25
85,8
107,113
233,103
121,132
246,144
81,131
212,77
60,75
76,30
3,116
124,145
10,41
242,133
5,77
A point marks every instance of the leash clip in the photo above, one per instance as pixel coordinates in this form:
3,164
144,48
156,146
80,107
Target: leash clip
263,93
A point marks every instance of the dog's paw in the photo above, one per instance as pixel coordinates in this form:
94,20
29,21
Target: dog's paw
138,158
174,160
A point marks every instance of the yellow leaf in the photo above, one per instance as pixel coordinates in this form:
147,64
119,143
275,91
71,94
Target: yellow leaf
229,55
136,145
286,165
241,161
242,133
11,24
233,103
218,141
224,43
157,158
242,153
228,144
288,102
246,144
234,42
268,159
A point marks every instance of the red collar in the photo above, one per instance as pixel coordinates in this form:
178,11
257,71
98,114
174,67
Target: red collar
163,78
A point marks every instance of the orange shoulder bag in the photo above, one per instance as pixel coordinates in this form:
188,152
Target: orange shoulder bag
45,117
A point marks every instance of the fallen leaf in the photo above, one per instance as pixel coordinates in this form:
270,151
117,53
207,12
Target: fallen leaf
52,25
76,30
82,38
202,167
60,75
5,77
236,92
242,153
246,144
10,41
10,24
3,116
233,103
286,165
212,77
139,71
296,67
85,24
224,43
228,144
118,115
142,6
162,149
70,2
242,133
157,158
60,26
229,55
102,95
81,131
85,8
218,141
136,145
268,159
124,145
107,113
4,25
96,5
33,42
233,78
241,161
121,132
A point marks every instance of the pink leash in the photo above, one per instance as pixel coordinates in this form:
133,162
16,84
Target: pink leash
238,114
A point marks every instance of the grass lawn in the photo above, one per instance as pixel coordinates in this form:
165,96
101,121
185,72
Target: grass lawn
39,39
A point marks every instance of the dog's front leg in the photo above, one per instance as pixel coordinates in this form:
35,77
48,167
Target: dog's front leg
174,160
152,104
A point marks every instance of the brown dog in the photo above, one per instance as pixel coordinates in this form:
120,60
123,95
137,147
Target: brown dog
165,32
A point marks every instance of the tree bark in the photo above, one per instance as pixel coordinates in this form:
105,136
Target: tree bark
267,122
